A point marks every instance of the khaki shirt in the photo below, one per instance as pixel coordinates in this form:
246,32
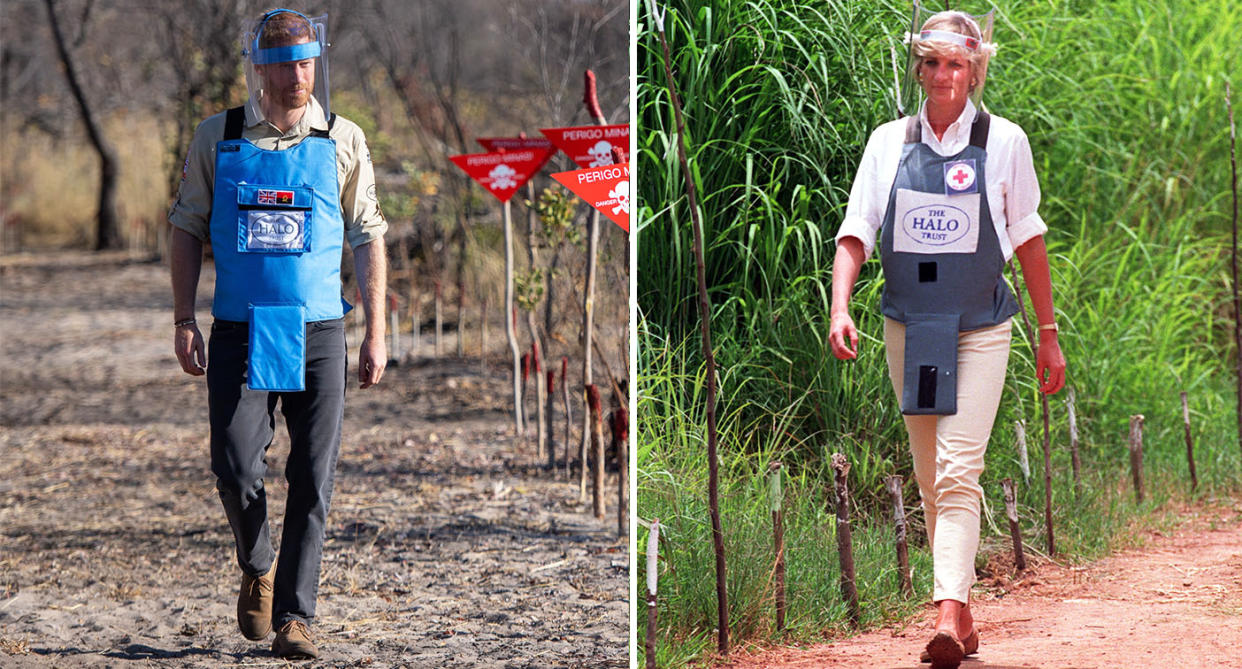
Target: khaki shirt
359,207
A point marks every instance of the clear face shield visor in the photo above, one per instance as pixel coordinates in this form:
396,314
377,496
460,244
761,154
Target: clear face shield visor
909,91
312,45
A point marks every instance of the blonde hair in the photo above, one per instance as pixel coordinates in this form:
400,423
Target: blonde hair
955,22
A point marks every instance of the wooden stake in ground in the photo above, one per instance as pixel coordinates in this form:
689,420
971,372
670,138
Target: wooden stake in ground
394,320
597,451
1233,255
1073,431
415,326
439,320
1190,444
591,99
1024,462
653,571
569,418
483,327
620,424
775,496
550,412
845,545
1136,455
893,483
1044,411
705,331
510,327
1015,531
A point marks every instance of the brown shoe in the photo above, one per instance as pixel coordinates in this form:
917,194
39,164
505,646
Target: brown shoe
945,651
293,642
970,646
254,605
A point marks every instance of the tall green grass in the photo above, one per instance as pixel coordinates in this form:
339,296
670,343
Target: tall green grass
1123,104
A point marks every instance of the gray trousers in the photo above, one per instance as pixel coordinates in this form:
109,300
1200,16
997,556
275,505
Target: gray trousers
242,426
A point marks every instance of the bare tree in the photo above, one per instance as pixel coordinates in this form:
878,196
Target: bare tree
108,234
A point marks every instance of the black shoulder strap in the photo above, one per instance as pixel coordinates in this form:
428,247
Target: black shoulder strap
324,133
979,130
914,130
234,123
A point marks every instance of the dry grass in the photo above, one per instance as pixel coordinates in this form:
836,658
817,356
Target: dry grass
50,186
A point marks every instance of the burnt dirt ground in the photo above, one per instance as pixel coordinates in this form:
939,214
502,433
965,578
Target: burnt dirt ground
447,546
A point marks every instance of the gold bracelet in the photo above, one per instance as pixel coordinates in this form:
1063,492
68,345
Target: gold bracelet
1049,326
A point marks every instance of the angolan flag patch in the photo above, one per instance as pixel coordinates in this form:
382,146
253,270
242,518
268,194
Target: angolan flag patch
275,197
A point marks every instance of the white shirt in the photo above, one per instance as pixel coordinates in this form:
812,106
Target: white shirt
1012,189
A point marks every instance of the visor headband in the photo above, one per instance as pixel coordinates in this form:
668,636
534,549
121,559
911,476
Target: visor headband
284,54
957,39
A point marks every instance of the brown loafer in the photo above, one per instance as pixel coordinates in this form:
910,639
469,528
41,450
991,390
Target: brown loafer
944,651
254,605
293,642
970,646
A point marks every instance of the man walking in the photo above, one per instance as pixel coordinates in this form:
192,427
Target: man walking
276,186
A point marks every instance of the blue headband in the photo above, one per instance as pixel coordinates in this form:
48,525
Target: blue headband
282,54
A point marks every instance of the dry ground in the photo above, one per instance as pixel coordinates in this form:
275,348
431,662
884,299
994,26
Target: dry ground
447,546
1176,603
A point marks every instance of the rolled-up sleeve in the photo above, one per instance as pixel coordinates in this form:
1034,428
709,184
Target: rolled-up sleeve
1022,196
864,214
364,222
191,211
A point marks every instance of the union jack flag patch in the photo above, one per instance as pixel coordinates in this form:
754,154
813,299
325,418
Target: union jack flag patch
267,197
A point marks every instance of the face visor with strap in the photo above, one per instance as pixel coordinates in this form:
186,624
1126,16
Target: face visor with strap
909,91
313,45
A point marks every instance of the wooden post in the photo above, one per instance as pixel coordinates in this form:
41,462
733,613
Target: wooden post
775,497
439,320
653,556
1019,433
620,437
705,338
845,547
569,419
525,384
550,412
1073,431
899,522
414,326
1190,444
510,327
394,320
1015,531
1052,544
536,360
597,441
483,326
1136,455
1233,256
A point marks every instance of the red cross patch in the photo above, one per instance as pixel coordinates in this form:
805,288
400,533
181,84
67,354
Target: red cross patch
959,177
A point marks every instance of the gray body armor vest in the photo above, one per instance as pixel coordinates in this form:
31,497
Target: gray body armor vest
943,266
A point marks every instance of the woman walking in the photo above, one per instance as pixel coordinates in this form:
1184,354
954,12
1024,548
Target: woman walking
949,195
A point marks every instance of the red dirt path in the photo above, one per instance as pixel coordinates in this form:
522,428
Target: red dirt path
1176,602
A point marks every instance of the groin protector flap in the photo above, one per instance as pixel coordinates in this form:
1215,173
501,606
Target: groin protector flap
277,347
929,385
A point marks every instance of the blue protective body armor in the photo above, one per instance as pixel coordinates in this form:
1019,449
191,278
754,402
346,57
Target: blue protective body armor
276,233
943,265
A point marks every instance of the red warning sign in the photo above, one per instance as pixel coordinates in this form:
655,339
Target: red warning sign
606,188
502,174
590,145
514,143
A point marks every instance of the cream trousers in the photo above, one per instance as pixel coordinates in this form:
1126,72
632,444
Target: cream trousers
948,450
